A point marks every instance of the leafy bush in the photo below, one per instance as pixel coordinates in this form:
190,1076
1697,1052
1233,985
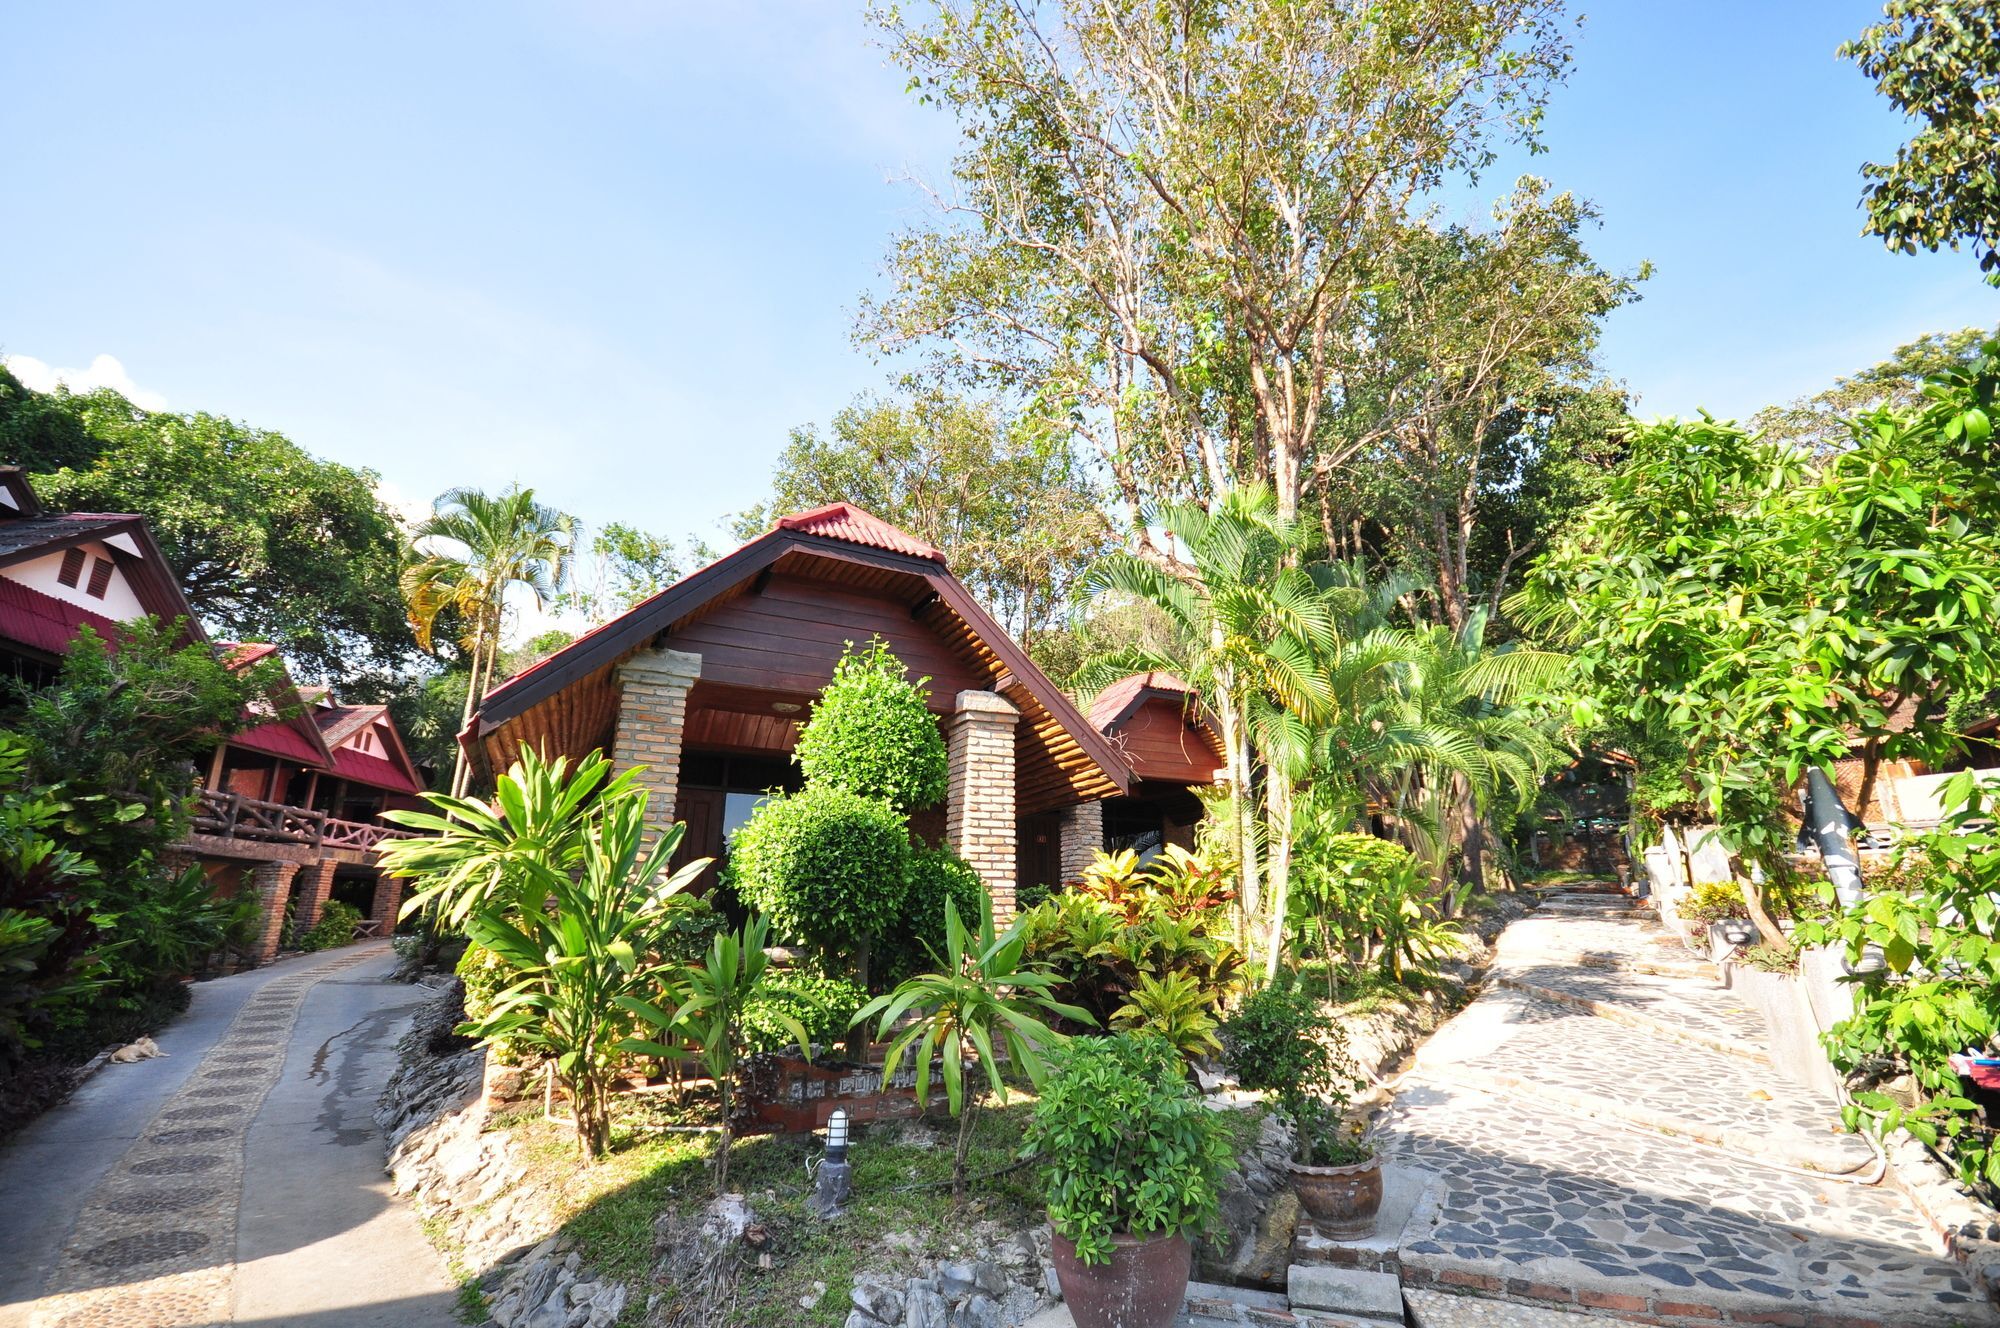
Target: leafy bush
937,876
1126,1144
795,999
1713,901
871,733
1938,989
690,926
1173,1008
1280,1040
827,867
335,927
1360,900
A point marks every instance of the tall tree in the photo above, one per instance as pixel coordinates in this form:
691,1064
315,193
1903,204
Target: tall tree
1938,61
471,552
271,543
1007,502
1479,373
1822,423
1158,208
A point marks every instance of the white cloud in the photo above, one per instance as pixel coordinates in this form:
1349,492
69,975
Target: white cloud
104,371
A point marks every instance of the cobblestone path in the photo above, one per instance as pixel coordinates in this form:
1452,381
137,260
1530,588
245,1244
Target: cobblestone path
154,1245
1611,1134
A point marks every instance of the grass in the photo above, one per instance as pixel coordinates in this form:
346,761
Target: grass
902,1183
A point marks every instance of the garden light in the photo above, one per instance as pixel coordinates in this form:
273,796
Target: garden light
836,1135
835,1180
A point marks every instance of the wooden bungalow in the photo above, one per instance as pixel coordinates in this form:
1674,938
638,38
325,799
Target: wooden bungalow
707,683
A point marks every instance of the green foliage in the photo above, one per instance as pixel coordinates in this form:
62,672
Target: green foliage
690,927
937,876
1819,423
42,925
1173,1008
986,995
1755,614
1711,901
871,733
1005,499
1939,62
828,867
334,928
271,543
1125,1144
1280,1040
579,966
795,999
719,995
1364,900
1937,993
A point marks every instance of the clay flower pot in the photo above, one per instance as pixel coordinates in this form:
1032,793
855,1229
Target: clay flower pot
1143,1286
1343,1201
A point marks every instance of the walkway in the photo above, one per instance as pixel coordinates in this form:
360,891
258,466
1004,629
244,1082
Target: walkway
1611,1134
238,1180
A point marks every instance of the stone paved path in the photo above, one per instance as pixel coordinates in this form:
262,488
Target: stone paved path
1604,1117
254,1192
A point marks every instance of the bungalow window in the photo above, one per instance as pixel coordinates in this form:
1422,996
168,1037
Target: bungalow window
72,567
100,578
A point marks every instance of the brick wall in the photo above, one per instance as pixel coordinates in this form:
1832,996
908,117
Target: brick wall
979,805
315,884
273,883
652,713
1082,838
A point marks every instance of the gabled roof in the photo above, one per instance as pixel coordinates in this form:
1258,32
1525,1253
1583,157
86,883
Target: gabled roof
1073,759
845,521
1115,703
29,531
1177,744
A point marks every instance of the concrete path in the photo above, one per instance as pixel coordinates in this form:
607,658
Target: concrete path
238,1180
1612,1135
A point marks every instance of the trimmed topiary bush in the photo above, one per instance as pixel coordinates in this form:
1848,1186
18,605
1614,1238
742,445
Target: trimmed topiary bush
822,1006
827,867
936,874
871,733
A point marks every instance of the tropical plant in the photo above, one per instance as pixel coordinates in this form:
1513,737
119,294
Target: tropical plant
983,1001
871,733
1936,923
335,927
937,876
473,856
1125,1144
718,997
1174,1008
471,552
581,965
827,867
1280,1040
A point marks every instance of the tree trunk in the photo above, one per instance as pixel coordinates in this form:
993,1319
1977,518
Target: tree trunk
1471,832
968,1109
1768,931
1278,793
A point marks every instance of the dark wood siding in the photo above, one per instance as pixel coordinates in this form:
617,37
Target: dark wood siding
1161,744
787,636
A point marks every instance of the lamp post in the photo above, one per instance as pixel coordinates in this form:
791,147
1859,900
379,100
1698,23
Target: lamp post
835,1181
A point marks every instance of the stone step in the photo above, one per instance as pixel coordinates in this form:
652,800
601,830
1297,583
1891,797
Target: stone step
1437,1309
1372,1297
1731,1031
1687,970
1544,1207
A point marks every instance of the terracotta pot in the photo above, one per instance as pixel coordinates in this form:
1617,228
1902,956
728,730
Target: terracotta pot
1144,1285
1343,1201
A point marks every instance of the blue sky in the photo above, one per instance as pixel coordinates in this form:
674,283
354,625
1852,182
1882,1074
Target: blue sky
611,250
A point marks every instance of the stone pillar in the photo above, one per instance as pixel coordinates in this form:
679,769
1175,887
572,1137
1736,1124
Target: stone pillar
652,712
387,903
1082,838
317,884
979,803
273,884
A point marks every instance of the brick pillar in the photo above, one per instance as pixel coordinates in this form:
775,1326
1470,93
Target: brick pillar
316,884
652,711
273,883
387,903
979,804
1082,838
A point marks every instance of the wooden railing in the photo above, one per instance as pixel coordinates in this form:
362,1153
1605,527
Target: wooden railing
233,816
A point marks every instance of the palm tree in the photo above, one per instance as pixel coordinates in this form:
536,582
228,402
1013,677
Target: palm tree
1250,625
472,550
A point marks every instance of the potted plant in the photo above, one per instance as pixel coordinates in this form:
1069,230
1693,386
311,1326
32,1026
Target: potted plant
1131,1163
1279,1041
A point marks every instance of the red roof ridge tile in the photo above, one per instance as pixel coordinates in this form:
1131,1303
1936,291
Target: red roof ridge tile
848,523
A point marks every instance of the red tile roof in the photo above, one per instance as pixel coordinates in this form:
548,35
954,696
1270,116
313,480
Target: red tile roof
845,521
278,737
43,622
240,654
1112,703
375,771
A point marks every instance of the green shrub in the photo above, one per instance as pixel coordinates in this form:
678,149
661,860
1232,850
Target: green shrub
335,927
1712,901
871,733
824,1007
1281,1041
936,875
1126,1144
829,868
692,924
